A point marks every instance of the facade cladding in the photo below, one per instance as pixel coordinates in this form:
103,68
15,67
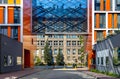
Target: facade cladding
106,19
10,21
59,16
62,22
10,57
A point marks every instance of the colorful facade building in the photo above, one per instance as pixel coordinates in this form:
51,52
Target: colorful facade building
106,18
11,27
11,23
105,21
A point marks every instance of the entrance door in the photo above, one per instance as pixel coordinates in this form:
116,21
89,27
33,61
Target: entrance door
26,58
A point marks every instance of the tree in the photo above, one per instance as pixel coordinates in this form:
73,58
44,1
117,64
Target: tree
38,61
82,50
60,58
47,56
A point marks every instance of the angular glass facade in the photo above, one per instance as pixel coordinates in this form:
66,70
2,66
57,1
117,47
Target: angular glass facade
59,16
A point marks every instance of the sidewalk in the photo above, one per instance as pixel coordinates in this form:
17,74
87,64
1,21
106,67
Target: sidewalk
96,75
18,74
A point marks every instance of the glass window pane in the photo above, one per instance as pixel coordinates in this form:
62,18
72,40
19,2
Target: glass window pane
16,15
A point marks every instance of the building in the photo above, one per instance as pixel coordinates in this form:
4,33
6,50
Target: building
105,19
108,54
29,47
11,25
10,56
62,22
11,21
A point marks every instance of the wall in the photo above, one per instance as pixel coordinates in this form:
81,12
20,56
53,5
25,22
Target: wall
8,50
28,37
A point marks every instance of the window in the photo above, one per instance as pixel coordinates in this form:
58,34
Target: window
37,52
68,58
79,52
78,43
56,36
117,5
99,35
40,36
50,43
79,58
38,43
60,36
60,43
98,60
49,36
68,43
74,43
5,61
68,36
102,20
10,61
97,4
118,20
101,60
3,30
74,36
42,43
68,51
5,1
42,50
74,57
118,51
0,1
54,58
55,43
107,60
16,15
61,51
55,51
14,33
19,60
74,51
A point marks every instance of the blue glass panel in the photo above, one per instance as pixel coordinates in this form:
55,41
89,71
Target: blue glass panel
59,16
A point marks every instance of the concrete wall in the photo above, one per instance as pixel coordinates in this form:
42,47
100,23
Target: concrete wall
9,47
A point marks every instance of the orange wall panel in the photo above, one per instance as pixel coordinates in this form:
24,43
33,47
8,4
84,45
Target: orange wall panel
101,5
19,33
109,20
97,20
108,6
95,36
115,21
9,31
104,34
1,15
10,15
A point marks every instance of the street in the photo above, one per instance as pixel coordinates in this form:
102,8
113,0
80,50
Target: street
58,74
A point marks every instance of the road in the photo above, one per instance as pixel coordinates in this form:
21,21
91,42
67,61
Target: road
58,74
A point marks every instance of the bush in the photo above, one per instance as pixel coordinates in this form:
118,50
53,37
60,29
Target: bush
107,73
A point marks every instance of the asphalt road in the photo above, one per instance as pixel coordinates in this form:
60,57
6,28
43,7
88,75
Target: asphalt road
58,74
